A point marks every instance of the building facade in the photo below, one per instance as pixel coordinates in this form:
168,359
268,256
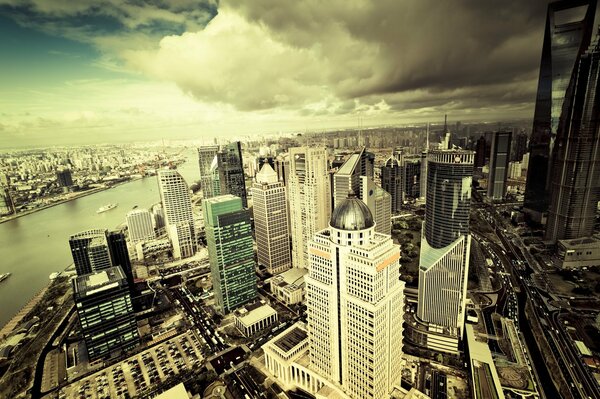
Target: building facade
446,242
499,157
355,304
309,198
230,169
271,221
206,155
140,224
379,202
179,217
392,180
105,313
230,250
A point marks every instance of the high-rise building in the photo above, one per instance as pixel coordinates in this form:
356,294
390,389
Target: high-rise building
412,177
423,182
206,155
567,35
105,312
392,180
230,250
499,158
445,246
347,177
140,224
230,169
282,167
119,255
575,185
179,217
309,198
480,152
90,251
379,202
519,147
63,177
159,216
271,221
355,304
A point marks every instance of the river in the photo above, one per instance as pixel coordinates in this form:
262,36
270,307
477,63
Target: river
35,245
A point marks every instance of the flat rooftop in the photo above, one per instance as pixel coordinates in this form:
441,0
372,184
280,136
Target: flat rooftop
291,339
577,242
253,314
293,276
98,281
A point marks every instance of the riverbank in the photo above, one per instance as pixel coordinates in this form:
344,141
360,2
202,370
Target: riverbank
64,201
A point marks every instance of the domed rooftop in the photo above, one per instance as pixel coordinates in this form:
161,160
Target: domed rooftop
352,214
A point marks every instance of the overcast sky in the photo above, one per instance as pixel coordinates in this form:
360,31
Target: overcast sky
88,71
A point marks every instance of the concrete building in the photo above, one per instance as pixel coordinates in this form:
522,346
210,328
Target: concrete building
485,381
392,180
355,304
309,198
90,251
514,170
252,319
499,157
140,224
179,217
206,155
445,248
230,250
379,202
271,221
64,178
146,249
348,177
105,313
289,286
579,252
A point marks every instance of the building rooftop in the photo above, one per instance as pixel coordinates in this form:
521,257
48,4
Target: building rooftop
177,392
352,214
293,276
92,283
291,339
576,242
253,313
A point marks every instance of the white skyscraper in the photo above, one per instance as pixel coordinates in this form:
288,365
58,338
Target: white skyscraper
355,304
271,223
309,196
179,219
140,223
445,249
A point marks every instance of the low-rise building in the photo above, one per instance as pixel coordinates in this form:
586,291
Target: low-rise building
579,252
288,286
254,318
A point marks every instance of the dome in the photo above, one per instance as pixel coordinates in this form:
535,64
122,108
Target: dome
352,214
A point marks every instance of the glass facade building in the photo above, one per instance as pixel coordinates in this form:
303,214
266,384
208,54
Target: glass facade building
230,250
568,32
230,168
499,157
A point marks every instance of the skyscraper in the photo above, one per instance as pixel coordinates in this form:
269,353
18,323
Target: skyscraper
119,255
140,224
575,185
105,312
519,147
230,250
480,152
271,221
179,218
392,180
347,177
206,155
445,245
355,304
379,202
230,168
90,251
499,158
309,197
412,177
567,35
63,177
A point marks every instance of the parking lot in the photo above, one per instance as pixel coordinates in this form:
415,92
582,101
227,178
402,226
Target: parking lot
136,374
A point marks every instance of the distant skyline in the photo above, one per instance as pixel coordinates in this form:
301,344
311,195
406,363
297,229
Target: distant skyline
111,71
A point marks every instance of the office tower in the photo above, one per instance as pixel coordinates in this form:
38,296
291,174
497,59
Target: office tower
63,177
140,224
480,151
105,313
271,221
519,147
282,167
567,35
90,251
309,197
6,204
499,157
159,216
347,177
179,218
423,177
445,244
575,185
379,202
412,177
355,304
230,168
446,136
263,160
514,170
392,180
230,250
206,155
117,245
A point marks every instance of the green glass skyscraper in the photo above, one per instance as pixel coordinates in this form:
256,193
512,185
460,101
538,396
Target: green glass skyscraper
229,241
